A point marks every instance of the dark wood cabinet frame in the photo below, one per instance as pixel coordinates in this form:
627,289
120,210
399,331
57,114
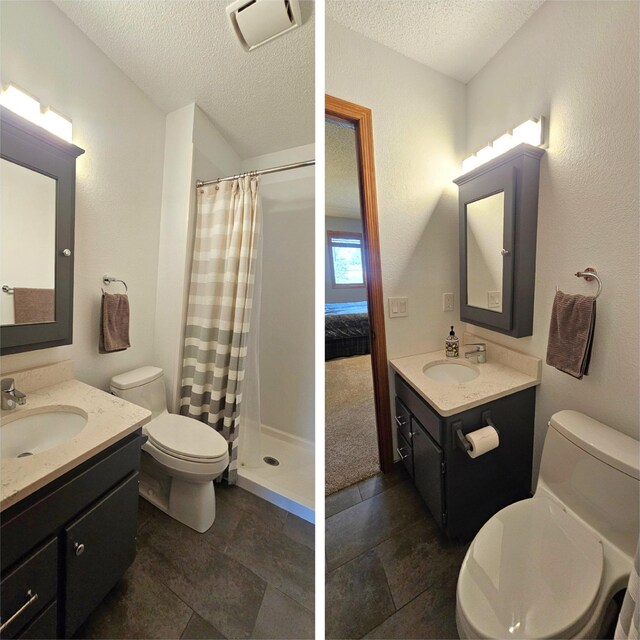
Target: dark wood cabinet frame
34,148
361,118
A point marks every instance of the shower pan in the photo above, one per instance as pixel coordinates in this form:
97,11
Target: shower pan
276,449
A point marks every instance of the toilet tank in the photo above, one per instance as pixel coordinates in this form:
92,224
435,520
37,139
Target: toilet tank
594,470
144,387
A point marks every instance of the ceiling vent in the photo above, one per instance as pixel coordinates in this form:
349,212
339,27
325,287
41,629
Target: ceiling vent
256,22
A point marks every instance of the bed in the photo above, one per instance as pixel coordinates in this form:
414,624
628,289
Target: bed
346,329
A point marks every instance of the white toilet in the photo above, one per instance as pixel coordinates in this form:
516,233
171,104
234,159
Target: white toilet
549,566
181,457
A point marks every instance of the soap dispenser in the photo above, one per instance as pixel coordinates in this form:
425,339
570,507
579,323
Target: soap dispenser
452,345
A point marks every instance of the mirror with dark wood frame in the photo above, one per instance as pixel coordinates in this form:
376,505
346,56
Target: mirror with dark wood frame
37,186
498,204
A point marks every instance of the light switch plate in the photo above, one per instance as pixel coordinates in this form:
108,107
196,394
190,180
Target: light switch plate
398,307
447,301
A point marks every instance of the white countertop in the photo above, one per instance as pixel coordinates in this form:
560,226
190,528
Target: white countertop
495,380
109,419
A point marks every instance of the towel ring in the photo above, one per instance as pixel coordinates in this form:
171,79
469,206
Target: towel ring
588,274
107,280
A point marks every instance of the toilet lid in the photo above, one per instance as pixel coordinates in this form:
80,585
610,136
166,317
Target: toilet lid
532,571
186,437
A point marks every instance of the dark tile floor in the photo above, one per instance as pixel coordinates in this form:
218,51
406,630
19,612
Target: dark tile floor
250,576
390,572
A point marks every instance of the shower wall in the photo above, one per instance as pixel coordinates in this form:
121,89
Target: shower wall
194,149
288,299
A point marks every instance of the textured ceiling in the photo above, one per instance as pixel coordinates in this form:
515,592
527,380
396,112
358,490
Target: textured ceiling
183,51
455,37
342,196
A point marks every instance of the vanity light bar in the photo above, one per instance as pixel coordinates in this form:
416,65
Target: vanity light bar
29,108
530,132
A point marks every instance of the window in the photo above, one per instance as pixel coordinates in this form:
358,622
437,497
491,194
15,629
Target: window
345,252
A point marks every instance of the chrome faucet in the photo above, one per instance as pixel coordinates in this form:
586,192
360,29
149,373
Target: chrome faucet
10,395
480,352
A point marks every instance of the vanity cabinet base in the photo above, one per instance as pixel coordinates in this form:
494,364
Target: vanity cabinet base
69,543
461,492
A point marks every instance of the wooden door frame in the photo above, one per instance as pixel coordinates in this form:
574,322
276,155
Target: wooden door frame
361,118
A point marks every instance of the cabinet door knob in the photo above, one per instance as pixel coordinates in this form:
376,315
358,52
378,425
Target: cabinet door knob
505,252
66,252
79,547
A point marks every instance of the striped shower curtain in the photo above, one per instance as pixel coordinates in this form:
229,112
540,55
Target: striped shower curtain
219,308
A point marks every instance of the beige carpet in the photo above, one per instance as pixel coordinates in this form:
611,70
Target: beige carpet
351,444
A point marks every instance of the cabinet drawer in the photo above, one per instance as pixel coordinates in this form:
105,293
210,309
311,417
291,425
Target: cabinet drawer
36,575
100,546
428,418
405,451
45,626
403,419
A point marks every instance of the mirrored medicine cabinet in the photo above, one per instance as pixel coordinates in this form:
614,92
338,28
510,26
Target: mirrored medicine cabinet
37,201
498,208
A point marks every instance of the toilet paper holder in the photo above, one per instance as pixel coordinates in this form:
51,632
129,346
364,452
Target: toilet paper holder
461,441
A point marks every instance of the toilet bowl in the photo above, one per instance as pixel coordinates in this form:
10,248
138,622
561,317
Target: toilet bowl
181,457
549,566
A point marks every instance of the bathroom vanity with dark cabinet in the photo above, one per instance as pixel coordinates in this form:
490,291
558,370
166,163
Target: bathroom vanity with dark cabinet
64,547
461,492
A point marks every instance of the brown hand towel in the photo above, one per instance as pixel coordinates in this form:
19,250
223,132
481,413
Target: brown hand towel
34,305
114,323
573,321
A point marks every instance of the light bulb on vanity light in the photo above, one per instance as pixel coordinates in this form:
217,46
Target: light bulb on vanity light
529,132
503,143
57,124
485,154
470,163
20,102
29,108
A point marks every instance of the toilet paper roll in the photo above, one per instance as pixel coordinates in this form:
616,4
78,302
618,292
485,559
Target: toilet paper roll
482,440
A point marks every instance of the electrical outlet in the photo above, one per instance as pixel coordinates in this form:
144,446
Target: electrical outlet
447,301
398,307
494,299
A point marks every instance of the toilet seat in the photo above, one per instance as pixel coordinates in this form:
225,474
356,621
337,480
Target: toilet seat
186,438
532,571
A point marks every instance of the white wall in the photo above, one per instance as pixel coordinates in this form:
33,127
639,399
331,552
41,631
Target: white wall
418,136
577,62
331,294
288,296
194,150
119,178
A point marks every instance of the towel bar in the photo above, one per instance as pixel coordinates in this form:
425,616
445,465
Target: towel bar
588,274
7,289
107,280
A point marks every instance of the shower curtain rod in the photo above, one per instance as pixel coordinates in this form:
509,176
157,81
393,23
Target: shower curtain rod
259,172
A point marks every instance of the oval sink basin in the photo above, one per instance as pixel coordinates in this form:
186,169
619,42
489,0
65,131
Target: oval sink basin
450,372
39,431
